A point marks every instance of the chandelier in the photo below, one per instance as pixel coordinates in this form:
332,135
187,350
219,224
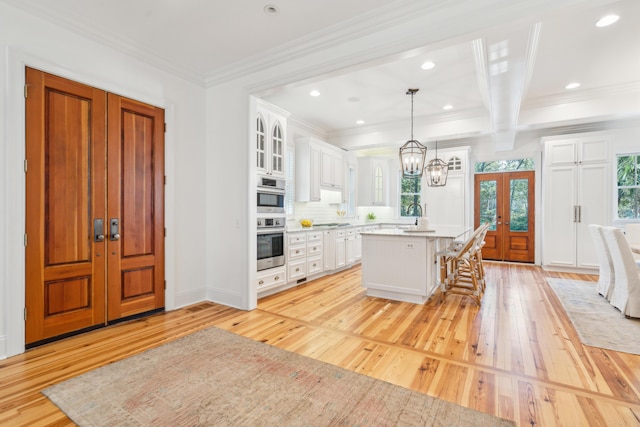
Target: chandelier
437,171
412,153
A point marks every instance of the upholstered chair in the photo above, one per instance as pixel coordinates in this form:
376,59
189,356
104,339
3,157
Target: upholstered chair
607,276
632,233
626,291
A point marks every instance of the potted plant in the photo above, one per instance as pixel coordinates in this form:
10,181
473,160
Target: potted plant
371,216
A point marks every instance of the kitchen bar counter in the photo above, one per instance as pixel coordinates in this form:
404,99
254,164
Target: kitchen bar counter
401,264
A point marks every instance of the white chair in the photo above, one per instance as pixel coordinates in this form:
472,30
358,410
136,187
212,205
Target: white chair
606,276
632,233
626,290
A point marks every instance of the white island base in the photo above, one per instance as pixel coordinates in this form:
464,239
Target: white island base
402,265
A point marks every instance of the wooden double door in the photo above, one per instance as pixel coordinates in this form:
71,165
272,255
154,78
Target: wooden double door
507,201
94,207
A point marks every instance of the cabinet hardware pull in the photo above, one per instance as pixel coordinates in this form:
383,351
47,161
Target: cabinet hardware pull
297,269
276,278
297,251
261,282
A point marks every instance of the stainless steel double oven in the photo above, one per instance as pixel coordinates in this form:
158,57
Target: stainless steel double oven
271,223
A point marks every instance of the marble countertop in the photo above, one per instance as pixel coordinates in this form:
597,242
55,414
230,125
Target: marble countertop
435,231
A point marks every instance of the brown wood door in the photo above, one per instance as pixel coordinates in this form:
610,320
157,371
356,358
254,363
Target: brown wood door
506,200
91,157
65,192
136,203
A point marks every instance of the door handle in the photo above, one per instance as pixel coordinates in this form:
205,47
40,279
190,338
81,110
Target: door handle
114,229
579,213
98,230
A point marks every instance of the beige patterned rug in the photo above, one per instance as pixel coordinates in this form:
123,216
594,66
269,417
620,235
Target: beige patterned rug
598,323
216,378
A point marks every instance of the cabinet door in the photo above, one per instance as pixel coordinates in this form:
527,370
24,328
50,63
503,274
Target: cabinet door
593,150
315,171
277,147
261,145
562,152
559,218
593,208
329,244
341,253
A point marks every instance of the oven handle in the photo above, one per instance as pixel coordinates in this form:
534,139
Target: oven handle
274,230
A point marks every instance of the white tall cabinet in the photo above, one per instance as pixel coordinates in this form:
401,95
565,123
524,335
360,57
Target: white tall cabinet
271,129
450,205
577,192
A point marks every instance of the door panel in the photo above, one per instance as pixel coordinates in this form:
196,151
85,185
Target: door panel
65,188
136,202
506,200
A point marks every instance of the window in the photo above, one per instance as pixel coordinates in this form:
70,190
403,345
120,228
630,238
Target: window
410,199
455,164
505,165
628,185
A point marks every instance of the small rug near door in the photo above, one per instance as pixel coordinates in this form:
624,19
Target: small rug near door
214,377
598,323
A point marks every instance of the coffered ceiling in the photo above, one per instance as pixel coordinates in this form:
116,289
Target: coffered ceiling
497,80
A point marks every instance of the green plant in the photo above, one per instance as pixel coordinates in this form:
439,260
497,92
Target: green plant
371,216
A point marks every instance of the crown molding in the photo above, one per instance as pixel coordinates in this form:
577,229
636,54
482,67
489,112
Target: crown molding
626,89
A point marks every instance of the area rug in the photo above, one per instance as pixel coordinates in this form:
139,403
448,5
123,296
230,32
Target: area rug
598,323
216,378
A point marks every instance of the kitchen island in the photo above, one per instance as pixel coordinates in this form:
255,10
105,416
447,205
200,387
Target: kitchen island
401,264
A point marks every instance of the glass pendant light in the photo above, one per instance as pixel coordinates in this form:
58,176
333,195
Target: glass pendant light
437,171
412,153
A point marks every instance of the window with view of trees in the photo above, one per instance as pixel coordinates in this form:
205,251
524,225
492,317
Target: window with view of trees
505,165
410,189
628,183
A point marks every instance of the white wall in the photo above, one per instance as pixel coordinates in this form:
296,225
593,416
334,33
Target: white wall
29,41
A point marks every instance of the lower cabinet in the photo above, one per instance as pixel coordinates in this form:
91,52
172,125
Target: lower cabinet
270,278
329,243
341,248
304,254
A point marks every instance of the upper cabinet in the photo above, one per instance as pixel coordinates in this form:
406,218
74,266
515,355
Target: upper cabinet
319,166
373,181
579,150
271,127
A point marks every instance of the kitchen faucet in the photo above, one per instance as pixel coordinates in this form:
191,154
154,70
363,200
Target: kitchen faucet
418,206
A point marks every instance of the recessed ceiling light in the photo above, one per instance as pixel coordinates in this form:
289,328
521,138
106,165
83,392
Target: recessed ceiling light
353,99
314,93
271,9
607,20
572,85
427,65
360,122
447,107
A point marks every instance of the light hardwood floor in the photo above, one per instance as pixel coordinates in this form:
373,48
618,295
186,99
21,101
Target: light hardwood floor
517,356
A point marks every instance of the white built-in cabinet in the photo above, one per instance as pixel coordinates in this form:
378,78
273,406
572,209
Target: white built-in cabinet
577,182
271,127
450,204
304,255
319,166
373,181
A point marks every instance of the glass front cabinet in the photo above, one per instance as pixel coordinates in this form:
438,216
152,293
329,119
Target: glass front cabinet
271,123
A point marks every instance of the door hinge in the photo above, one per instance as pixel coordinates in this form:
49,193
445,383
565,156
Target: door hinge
25,313
25,90
25,240
165,180
165,285
165,127
165,232
26,165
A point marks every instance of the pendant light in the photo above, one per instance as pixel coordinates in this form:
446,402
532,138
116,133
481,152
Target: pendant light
437,171
412,153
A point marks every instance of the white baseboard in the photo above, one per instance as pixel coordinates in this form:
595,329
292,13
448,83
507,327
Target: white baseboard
3,347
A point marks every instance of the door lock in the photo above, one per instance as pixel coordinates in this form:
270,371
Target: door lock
114,229
98,230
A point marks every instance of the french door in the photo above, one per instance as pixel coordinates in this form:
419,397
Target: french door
506,200
94,207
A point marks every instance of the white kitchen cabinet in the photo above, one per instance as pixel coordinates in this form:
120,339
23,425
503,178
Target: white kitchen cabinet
318,166
358,245
271,124
329,244
450,205
332,170
314,253
341,248
373,181
304,254
270,278
577,182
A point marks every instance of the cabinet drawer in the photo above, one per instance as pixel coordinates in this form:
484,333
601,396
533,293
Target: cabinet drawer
296,252
314,236
314,265
297,269
273,278
296,239
314,249
340,234
351,233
